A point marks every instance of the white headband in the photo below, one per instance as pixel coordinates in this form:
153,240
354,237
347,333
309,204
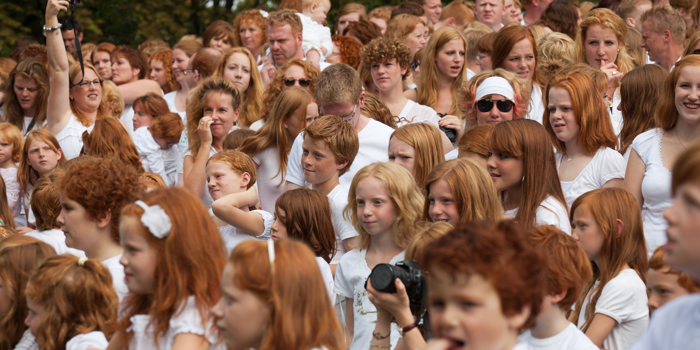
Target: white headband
494,86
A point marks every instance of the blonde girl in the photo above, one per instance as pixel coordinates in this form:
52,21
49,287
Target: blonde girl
238,65
418,148
11,144
608,225
384,205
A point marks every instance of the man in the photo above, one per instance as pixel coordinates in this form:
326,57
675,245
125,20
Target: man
432,8
533,10
473,35
663,35
69,36
631,11
490,13
202,65
457,14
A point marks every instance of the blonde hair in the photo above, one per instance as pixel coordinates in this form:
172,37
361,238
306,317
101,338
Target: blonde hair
401,25
112,99
664,17
14,136
427,232
252,103
606,19
555,51
426,140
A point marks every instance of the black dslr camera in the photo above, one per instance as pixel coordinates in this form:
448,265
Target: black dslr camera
384,275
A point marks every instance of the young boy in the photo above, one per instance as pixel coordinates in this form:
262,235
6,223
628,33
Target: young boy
329,147
317,41
567,267
664,283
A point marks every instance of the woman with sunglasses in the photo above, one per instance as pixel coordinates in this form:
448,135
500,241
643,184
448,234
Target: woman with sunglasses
493,97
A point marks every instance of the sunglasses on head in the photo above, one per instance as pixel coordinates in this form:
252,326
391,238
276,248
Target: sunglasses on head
486,105
302,82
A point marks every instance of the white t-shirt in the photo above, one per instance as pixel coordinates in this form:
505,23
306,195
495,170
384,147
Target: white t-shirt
374,147
71,138
470,74
571,338
27,121
327,276
453,154
170,100
536,110
233,236
28,342
269,179
315,35
92,340
128,118
117,271
350,279
607,164
56,239
206,197
186,320
673,326
338,198
171,158
550,212
413,113
151,155
624,299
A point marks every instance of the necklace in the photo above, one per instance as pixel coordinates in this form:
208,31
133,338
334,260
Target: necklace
568,159
679,140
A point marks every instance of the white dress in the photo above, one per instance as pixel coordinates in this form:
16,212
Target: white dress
56,239
270,182
150,152
413,112
12,190
87,341
550,212
233,236
71,138
536,110
607,164
315,36
674,326
656,187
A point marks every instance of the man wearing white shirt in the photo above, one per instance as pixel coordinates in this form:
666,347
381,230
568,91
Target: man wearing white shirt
490,13
663,35
473,35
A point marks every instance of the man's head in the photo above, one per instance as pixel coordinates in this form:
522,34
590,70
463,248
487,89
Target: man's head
203,64
433,9
339,92
631,12
489,12
456,14
70,35
284,33
473,35
330,145
535,6
662,28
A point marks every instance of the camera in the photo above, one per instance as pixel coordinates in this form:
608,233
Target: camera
384,275
450,133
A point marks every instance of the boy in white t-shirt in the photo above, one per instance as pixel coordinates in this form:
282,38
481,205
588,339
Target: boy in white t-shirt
316,38
329,147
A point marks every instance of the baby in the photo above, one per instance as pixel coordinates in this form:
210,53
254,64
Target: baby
317,41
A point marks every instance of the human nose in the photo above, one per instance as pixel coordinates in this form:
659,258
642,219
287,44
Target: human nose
217,309
491,163
654,302
124,260
574,234
61,220
600,51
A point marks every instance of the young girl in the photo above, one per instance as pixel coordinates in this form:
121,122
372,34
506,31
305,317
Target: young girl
238,65
19,258
522,166
147,108
11,144
231,176
55,319
264,305
459,191
578,126
418,148
608,225
173,256
294,109
384,205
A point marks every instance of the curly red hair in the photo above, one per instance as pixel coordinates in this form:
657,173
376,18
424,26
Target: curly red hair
349,50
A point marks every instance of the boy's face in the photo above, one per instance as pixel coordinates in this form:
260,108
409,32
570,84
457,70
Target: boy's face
221,180
318,162
683,246
663,287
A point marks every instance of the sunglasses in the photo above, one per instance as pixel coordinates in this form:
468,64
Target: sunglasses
302,82
415,65
486,105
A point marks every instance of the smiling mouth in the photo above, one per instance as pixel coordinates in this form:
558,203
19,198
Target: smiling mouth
494,176
692,105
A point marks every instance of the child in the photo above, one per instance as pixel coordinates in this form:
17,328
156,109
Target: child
316,37
173,259
567,269
11,144
166,131
664,283
151,181
72,304
608,225
236,137
109,139
147,108
384,205
522,167
418,148
19,258
231,176
329,148
459,191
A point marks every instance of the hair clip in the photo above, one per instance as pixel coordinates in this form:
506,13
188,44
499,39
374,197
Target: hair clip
82,261
155,219
264,13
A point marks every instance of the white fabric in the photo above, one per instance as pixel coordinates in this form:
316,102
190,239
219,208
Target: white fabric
233,236
257,125
327,276
673,326
206,197
171,158
186,320
413,112
607,164
338,198
92,340
470,74
27,207
315,35
571,338
269,179
624,299
453,154
117,271
27,121
615,115
12,190
56,239
536,110
151,155
128,118
350,279
28,342
550,212
71,138
494,86
374,147
656,187
170,100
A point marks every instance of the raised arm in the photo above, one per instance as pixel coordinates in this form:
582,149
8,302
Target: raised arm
131,91
227,208
194,170
58,111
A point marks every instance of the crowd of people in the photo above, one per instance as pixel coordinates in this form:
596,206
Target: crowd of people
496,174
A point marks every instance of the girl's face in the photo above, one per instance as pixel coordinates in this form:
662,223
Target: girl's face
42,158
224,116
494,115
240,315
251,36
386,75
222,180
587,232
506,171
81,232
220,43
601,45
5,302
344,21
442,206
238,71
466,313
521,60
416,40
103,64
450,59
380,22
139,258
87,97
6,149
375,208
158,73
295,73
561,115
663,287
279,229
35,315
180,61
122,72
141,118
27,92
402,154
293,125
688,94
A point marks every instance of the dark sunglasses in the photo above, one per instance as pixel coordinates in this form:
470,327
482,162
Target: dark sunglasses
302,82
415,65
486,105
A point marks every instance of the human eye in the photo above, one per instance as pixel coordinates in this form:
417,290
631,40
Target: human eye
503,156
359,202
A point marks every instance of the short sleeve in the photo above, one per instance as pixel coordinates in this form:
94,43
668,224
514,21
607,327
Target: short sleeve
188,320
551,212
92,340
343,285
611,166
295,174
343,227
643,144
624,298
268,220
150,150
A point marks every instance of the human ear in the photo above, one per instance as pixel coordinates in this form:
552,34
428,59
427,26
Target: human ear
245,179
341,165
620,227
630,22
558,297
105,219
313,7
517,320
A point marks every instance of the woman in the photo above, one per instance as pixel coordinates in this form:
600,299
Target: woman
347,13
219,35
561,16
410,29
102,60
656,151
601,43
494,96
238,65
26,95
108,139
250,31
160,70
345,50
182,51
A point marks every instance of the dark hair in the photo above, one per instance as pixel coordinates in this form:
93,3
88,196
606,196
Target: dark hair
561,16
409,8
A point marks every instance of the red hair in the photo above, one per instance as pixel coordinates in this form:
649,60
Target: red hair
26,175
136,59
658,262
152,104
166,58
506,38
109,139
666,113
168,126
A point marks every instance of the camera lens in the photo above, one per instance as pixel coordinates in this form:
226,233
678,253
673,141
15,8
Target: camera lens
383,278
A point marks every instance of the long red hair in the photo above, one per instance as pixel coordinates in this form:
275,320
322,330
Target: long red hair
109,139
26,175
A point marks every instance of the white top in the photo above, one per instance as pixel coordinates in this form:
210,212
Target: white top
656,187
257,125
170,100
151,155
12,190
350,276
28,342
233,236
624,299
674,326
186,320
327,276
470,74
92,340
27,207
206,197
374,147
171,158
607,164
56,239
550,212
269,179
128,118
453,154
413,112
536,110
615,115
315,35
338,198
71,138
117,271
27,121
571,338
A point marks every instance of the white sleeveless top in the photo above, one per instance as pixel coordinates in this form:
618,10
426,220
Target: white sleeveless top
71,138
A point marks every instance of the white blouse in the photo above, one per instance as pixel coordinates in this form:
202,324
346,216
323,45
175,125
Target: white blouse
607,164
